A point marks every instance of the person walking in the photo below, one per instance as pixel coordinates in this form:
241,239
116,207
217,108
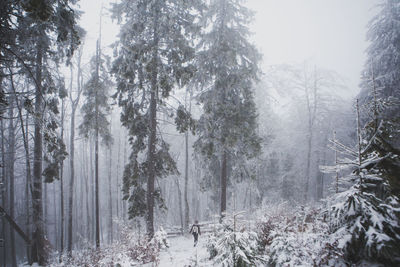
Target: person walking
195,231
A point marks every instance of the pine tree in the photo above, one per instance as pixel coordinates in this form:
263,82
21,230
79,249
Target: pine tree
95,123
227,69
47,32
381,76
380,97
153,56
365,218
368,212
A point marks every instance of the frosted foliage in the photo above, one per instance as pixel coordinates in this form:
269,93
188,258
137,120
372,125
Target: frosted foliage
381,75
227,69
299,240
228,247
365,226
130,250
160,239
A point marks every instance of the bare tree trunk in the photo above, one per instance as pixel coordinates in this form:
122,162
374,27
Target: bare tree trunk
38,253
28,182
25,135
88,218
180,203
82,191
74,106
11,177
55,216
223,183
96,153
3,186
123,202
110,208
153,129
185,193
118,176
71,181
312,110
45,210
96,182
150,159
62,182
92,199
320,175
309,147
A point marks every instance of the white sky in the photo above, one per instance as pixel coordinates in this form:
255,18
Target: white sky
328,33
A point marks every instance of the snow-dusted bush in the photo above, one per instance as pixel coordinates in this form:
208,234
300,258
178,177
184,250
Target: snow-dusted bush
129,250
366,227
160,239
232,245
365,218
299,240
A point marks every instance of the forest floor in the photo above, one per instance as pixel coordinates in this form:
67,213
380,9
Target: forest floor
181,252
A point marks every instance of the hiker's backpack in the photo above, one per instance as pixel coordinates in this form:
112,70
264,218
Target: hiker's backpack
195,229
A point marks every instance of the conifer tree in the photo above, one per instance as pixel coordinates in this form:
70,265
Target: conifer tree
380,95
381,76
47,32
95,123
366,217
227,69
154,53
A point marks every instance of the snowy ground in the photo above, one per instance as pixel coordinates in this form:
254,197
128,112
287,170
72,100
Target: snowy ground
181,252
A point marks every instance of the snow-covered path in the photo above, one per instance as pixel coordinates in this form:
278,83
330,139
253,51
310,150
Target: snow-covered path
181,252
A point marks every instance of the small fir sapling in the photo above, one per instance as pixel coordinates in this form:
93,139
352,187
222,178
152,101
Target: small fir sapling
233,245
365,218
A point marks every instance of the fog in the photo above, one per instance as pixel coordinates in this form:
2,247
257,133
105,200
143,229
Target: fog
169,115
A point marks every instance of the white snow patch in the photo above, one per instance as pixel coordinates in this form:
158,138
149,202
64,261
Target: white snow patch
182,253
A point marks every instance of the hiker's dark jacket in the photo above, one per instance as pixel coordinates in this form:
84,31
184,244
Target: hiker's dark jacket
192,230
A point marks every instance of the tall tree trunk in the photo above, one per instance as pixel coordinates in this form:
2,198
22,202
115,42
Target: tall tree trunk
312,110
88,218
118,184
151,155
55,216
320,175
28,182
223,183
308,165
96,182
11,177
74,106
110,209
25,135
123,202
96,153
62,182
180,204
3,176
45,209
92,195
153,129
38,253
71,181
185,193
4,186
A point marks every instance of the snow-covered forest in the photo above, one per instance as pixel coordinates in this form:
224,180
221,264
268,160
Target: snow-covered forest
269,130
